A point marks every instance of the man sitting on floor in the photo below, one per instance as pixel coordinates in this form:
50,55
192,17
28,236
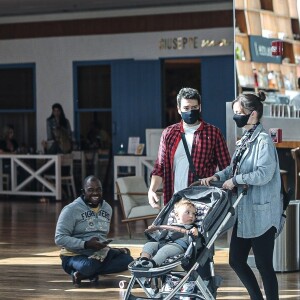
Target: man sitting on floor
81,231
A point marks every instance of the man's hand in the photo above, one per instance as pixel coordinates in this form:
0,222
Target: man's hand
153,199
155,183
94,243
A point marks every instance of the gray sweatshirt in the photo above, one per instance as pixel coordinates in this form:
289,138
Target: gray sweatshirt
77,223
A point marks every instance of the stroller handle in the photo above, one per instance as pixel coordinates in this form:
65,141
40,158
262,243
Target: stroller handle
167,227
219,184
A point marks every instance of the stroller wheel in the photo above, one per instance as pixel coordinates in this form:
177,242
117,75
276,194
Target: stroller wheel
123,284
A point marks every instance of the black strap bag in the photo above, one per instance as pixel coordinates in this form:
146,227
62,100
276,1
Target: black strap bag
192,167
286,198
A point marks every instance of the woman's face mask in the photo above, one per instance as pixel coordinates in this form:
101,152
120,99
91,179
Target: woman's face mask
241,120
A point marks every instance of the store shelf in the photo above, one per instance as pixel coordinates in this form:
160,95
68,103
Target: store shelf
293,9
281,8
257,22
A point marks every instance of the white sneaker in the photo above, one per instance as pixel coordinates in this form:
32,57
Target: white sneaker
188,287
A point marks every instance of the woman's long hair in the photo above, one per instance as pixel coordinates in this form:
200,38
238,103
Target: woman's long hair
6,130
62,119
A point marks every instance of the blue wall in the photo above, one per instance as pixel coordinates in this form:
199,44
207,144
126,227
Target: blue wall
136,99
217,81
137,95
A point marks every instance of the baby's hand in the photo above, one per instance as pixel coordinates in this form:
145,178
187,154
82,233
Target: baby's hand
194,231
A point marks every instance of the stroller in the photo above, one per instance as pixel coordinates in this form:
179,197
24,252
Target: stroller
214,215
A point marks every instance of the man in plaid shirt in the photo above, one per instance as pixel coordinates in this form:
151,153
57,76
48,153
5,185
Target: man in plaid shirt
208,151
205,142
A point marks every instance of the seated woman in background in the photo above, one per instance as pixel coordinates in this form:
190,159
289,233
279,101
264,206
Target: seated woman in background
61,145
59,133
8,144
57,119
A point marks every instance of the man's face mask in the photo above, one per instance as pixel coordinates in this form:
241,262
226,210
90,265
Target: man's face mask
241,120
191,116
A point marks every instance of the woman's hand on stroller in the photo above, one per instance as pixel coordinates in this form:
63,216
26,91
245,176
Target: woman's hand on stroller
228,184
206,181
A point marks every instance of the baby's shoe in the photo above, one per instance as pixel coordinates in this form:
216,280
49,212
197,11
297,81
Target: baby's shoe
138,262
148,263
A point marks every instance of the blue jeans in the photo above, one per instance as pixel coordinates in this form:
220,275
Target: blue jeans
114,262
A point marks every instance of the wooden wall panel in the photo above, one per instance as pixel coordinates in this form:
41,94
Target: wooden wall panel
149,23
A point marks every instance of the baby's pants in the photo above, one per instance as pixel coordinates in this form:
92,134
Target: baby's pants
160,254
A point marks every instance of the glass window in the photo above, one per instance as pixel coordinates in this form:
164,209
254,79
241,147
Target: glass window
93,109
16,88
94,86
95,130
23,124
178,73
17,103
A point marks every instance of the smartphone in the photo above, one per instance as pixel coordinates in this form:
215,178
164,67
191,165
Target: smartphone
107,242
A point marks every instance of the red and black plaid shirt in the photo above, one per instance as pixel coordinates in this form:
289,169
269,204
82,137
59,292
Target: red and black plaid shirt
209,151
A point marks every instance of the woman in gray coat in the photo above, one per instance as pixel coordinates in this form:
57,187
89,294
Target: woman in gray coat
254,163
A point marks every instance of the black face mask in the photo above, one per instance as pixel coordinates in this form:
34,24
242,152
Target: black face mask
191,116
241,120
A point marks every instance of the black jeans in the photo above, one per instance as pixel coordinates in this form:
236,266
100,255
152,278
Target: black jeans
263,247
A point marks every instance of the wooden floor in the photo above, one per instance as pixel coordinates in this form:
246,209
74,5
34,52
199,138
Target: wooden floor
30,266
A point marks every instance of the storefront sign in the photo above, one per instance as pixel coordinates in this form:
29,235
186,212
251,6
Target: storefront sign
193,42
261,50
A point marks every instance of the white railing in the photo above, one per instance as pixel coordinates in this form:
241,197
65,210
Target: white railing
31,172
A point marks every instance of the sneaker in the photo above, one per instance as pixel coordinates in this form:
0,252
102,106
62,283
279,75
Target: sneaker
76,278
138,263
171,282
144,263
148,263
94,279
188,287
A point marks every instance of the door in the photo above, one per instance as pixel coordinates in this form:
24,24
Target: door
178,73
93,105
93,120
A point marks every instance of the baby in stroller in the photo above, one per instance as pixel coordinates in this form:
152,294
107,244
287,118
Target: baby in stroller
181,275
172,241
